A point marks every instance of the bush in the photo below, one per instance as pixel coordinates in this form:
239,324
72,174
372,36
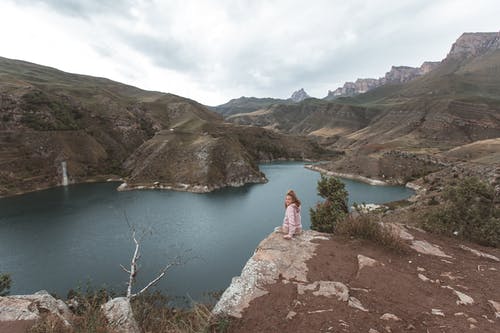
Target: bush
5,282
153,314
366,227
88,316
470,212
327,214
433,201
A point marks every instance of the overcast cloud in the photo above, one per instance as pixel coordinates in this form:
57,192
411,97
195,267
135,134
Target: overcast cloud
212,51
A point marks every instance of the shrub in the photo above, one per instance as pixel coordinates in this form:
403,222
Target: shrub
393,205
470,212
5,282
433,201
88,316
327,214
153,314
366,227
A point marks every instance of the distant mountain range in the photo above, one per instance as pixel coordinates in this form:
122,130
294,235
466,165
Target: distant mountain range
468,45
440,105
104,129
397,75
250,104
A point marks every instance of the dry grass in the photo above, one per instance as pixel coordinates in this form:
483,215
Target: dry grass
151,311
154,315
367,227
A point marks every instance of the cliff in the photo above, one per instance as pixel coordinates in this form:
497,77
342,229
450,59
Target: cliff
473,44
317,282
397,75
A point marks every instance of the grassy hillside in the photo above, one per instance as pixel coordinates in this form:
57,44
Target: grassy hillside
247,104
103,128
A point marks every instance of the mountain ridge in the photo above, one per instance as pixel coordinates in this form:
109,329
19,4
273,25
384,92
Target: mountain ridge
104,129
396,75
453,104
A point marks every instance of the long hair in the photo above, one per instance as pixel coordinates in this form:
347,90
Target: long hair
295,200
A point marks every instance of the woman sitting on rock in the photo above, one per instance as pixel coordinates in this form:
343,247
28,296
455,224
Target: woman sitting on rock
291,223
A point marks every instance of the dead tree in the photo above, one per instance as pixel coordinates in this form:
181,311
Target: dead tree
134,269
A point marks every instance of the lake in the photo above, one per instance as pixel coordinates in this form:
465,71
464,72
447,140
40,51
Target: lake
69,237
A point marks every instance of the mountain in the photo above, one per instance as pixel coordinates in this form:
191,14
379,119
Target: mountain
397,75
474,44
104,129
299,95
245,105
250,104
454,103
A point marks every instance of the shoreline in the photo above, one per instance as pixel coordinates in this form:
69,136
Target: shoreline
419,190
124,186
363,179
181,187
97,179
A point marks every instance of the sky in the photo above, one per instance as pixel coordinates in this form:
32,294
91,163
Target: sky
213,51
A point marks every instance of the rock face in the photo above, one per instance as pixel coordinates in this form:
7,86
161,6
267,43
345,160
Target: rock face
356,286
120,317
30,307
353,88
474,44
299,96
193,159
275,257
397,75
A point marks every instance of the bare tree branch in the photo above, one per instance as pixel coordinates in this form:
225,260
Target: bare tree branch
123,267
135,258
133,266
153,282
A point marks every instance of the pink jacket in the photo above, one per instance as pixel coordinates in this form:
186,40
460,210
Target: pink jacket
292,219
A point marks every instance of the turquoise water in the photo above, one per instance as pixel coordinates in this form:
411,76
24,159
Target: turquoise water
62,238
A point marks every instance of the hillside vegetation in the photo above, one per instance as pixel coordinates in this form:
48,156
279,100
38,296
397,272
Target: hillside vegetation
105,129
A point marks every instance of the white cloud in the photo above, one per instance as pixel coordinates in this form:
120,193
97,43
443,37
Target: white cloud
214,51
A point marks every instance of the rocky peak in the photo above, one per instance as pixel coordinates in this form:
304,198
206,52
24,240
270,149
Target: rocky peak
299,95
428,66
472,44
400,74
397,74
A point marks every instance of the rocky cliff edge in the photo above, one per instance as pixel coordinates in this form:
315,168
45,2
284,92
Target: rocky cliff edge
317,283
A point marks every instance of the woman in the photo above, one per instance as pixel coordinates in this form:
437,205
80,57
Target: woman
291,223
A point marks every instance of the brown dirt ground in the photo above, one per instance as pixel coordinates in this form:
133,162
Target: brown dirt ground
393,287
18,326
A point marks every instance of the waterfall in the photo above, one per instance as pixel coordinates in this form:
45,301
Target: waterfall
64,174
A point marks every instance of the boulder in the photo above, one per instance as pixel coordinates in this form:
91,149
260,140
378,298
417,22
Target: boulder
119,314
364,261
30,307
